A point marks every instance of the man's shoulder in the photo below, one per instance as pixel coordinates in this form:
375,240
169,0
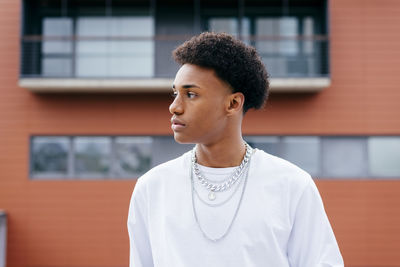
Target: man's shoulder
280,169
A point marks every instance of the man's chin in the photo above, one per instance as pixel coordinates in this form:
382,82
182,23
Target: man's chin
179,138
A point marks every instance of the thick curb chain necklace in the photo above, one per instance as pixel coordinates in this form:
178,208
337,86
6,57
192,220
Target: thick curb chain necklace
234,215
220,203
214,187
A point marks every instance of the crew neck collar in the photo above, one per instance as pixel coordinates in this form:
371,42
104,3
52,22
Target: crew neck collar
219,171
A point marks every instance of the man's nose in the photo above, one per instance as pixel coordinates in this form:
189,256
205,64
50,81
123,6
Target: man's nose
176,106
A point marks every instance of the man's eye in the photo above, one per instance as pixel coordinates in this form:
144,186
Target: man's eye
174,94
191,94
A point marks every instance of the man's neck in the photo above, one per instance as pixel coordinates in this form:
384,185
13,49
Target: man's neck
226,153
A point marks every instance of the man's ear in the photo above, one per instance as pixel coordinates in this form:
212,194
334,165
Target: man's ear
236,102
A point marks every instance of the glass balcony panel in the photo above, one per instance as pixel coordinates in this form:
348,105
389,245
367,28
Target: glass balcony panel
124,47
308,32
230,25
57,28
274,28
56,67
130,66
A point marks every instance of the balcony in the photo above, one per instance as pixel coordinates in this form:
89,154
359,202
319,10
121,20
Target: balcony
124,46
144,64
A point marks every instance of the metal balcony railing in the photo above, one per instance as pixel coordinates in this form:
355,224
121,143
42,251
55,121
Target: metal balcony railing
144,57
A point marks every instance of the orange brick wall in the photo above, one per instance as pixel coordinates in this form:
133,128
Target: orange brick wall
82,223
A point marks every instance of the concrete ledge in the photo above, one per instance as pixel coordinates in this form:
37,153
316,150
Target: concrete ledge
77,85
299,85
156,85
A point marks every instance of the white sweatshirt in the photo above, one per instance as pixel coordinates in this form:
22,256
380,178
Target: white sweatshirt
281,220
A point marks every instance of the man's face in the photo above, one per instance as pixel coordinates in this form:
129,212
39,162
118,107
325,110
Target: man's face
199,106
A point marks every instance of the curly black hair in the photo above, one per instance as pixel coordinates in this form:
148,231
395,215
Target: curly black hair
233,62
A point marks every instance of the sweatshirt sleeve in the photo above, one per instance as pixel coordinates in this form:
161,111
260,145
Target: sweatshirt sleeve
312,242
140,248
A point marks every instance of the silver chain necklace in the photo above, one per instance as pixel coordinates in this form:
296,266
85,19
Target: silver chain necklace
227,183
234,215
221,203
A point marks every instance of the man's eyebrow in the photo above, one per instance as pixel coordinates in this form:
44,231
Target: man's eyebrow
187,86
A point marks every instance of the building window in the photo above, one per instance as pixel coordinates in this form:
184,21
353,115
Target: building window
119,38
303,151
133,156
291,39
121,55
90,157
384,156
49,156
366,157
57,54
345,157
128,157
88,39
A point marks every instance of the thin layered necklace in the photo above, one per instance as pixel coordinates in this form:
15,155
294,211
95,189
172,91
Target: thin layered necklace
214,187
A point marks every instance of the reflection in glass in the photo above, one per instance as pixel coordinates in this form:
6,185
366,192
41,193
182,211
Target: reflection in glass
92,156
133,156
57,57
54,157
344,157
303,151
57,28
384,156
122,56
230,25
56,67
165,148
269,144
277,28
49,156
309,47
276,52
308,32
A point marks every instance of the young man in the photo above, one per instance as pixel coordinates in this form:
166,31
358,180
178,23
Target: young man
225,203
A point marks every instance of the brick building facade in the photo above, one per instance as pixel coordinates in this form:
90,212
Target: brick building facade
71,222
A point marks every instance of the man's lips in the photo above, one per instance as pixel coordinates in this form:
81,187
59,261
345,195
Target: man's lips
177,124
